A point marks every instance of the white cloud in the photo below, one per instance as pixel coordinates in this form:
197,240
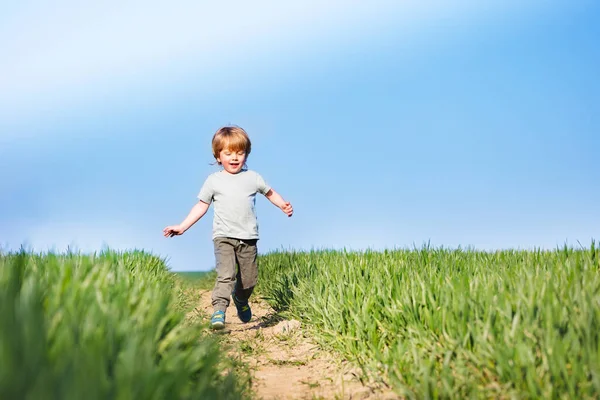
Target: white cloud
65,47
61,54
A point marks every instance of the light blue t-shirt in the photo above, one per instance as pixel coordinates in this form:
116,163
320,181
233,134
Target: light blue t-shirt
234,198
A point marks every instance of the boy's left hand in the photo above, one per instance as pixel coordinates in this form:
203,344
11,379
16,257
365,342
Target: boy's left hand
287,209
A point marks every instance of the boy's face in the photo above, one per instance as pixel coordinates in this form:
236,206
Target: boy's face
232,161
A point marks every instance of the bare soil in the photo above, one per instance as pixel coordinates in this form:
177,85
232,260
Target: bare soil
284,362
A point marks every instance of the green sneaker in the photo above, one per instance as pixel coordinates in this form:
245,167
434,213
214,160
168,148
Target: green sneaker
243,309
218,320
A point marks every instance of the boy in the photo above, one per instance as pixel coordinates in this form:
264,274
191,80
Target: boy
235,227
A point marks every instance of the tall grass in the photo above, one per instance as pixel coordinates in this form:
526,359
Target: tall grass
101,327
441,323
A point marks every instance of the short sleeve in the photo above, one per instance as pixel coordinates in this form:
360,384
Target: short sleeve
207,191
261,185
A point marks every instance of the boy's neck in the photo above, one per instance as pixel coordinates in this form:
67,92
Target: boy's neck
234,173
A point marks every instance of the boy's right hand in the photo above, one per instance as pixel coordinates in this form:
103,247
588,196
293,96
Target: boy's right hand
173,230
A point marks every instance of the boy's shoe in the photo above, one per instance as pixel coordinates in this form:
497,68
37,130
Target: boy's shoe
218,320
243,309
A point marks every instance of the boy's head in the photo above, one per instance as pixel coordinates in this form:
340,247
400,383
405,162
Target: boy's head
231,138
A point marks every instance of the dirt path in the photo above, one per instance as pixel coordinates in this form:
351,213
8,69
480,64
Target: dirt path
284,363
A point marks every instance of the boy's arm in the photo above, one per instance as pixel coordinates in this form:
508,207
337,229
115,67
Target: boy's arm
278,201
195,214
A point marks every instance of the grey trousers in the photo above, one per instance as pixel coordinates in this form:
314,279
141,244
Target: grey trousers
229,254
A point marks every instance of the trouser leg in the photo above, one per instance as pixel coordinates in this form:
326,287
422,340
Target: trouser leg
247,274
225,260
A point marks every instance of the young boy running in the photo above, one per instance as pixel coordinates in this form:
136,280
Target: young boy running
235,227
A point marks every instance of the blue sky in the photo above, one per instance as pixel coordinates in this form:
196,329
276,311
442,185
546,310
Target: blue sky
386,126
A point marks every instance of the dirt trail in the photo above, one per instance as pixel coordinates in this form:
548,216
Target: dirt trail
283,362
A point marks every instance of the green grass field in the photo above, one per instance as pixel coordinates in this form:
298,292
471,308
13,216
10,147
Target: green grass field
431,323
193,276
438,323
107,326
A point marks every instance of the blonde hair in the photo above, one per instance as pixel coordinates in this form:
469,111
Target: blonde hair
233,138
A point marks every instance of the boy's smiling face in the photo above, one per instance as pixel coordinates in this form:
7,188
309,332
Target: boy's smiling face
232,161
